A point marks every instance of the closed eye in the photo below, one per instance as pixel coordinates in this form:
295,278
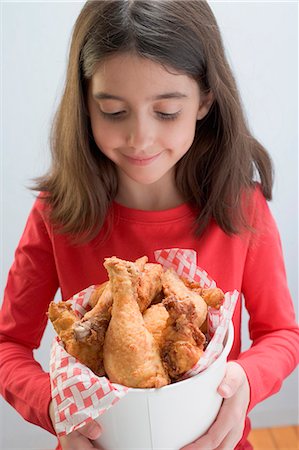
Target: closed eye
113,116
168,116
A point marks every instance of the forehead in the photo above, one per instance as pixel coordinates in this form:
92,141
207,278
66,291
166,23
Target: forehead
134,74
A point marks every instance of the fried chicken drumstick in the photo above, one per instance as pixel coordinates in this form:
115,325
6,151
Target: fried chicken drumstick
182,341
89,352
131,355
173,285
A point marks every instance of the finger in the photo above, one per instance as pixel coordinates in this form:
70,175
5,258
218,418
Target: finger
92,430
232,439
233,379
190,447
75,441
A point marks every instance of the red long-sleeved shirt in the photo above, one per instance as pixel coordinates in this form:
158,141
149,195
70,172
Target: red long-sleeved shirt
45,261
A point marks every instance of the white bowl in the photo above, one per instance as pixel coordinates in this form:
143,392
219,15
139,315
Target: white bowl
167,418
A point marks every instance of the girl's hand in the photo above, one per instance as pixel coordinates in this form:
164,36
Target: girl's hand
227,430
80,439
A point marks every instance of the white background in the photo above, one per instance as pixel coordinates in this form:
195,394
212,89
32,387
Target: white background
262,46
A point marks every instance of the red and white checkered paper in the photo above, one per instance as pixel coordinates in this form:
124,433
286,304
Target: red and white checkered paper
80,396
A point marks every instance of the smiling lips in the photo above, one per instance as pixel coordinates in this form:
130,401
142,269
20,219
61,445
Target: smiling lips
141,161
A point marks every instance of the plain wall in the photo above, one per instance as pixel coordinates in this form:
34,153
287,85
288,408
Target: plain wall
262,46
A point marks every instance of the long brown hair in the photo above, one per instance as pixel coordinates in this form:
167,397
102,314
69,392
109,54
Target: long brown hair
224,159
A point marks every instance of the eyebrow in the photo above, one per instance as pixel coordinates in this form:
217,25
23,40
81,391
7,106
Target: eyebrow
167,95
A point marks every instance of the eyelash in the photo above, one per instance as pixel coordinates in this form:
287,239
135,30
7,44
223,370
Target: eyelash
165,116
119,115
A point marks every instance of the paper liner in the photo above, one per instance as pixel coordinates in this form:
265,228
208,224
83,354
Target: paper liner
80,396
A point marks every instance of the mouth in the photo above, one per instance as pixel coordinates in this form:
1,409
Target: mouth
142,160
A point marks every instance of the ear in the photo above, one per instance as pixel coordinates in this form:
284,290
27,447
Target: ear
205,105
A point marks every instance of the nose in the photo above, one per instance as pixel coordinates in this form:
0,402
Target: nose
140,135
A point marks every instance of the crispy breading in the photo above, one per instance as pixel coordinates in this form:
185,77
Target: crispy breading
90,351
155,319
182,341
174,286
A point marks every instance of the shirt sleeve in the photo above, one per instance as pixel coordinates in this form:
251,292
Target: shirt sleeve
31,285
272,324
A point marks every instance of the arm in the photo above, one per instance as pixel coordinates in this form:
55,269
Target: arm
260,371
31,285
272,325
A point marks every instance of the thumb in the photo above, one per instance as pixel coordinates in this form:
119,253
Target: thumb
92,430
232,380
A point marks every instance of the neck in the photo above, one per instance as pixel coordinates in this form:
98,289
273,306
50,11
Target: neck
163,194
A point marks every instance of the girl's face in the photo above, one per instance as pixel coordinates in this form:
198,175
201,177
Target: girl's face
142,116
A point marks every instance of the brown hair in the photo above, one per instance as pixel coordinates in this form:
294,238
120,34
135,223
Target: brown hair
224,159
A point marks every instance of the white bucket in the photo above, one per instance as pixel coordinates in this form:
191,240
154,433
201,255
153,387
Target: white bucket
167,418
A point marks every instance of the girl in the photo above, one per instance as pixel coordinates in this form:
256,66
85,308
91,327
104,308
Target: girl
151,150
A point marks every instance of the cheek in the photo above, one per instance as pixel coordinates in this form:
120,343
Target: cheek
105,138
183,135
